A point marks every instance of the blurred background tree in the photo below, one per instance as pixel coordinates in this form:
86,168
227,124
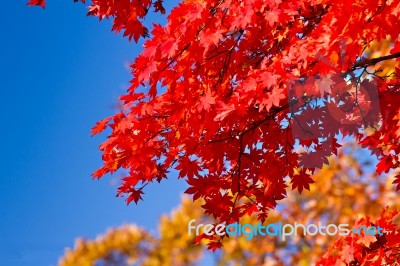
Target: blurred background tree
377,49
344,191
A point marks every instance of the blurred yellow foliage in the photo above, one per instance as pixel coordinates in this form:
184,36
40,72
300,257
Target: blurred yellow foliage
343,192
377,49
131,245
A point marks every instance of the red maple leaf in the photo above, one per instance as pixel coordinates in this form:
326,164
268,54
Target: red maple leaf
100,126
135,195
41,3
188,168
206,101
384,165
301,181
214,245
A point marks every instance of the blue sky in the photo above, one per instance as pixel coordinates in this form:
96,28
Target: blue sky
61,72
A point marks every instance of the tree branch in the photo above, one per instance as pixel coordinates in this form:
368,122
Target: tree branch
373,61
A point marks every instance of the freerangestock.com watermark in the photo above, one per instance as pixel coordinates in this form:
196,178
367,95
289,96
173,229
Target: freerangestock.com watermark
279,229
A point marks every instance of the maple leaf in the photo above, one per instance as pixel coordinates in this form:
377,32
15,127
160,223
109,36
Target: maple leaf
135,29
301,181
223,111
188,168
99,173
214,246
210,37
200,237
324,85
100,126
200,187
397,9
41,3
366,240
158,6
250,208
273,99
206,101
315,159
134,195
169,47
273,16
384,165
347,253
268,79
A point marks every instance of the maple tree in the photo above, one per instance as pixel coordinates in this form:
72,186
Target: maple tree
237,96
353,195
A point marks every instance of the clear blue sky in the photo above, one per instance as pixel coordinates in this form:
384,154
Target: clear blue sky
60,73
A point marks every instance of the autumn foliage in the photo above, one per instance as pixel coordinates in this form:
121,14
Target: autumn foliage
344,191
247,99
